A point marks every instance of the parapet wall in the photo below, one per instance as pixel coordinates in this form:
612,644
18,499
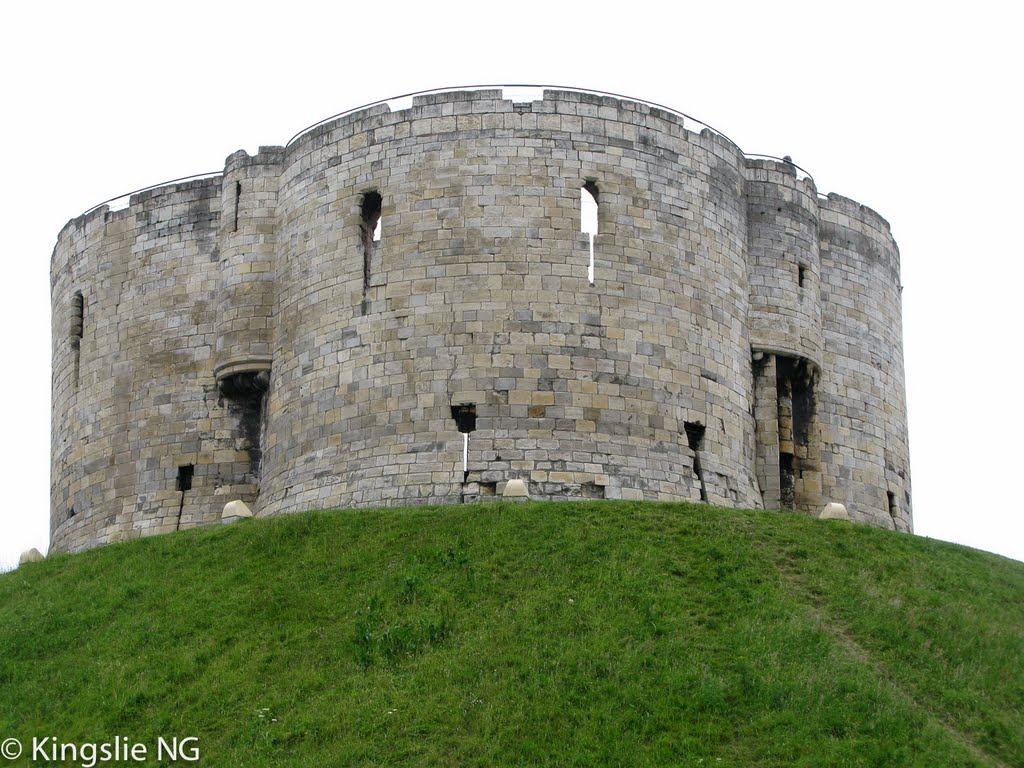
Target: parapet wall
249,336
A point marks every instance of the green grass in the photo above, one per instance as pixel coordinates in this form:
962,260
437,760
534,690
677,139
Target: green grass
580,634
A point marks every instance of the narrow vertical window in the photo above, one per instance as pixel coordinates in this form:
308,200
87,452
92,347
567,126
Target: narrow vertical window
588,220
893,509
370,231
801,275
183,484
76,324
695,441
238,197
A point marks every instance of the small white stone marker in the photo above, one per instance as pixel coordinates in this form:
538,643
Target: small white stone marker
234,511
834,511
515,488
30,556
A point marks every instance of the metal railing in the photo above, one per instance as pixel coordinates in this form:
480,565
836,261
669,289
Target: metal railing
503,86
455,88
152,186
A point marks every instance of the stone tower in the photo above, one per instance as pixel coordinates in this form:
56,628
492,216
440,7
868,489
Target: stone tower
397,308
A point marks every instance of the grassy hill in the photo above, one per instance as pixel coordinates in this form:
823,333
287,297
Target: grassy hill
582,634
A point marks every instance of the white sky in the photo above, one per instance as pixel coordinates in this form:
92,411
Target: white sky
913,110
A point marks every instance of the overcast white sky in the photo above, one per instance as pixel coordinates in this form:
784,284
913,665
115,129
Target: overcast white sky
914,112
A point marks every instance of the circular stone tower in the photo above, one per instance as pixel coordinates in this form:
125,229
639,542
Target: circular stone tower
403,307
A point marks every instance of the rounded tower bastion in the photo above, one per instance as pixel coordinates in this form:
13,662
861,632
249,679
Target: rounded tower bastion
403,307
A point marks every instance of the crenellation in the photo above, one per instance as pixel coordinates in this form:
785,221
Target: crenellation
252,332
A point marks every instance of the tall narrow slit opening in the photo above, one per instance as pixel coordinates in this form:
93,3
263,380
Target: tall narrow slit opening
588,220
238,197
183,483
695,441
76,328
893,508
370,233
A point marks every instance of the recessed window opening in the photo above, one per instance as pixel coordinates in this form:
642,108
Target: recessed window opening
465,420
76,326
185,474
588,220
370,232
695,441
893,509
238,196
787,481
370,214
71,513
801,275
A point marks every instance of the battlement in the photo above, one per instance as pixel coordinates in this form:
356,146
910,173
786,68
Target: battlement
418,304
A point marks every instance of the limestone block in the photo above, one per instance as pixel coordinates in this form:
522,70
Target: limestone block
30,556
234,511
834,511
515,488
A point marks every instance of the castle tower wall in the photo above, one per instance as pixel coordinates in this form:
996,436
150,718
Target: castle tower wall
785,332
785,267
863,402
144,407
479,295
397,308
247,238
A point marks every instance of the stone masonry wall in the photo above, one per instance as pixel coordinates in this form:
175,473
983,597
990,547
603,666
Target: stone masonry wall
863,403
144,403
247,336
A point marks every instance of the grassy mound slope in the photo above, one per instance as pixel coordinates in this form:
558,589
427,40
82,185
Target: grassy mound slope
582,634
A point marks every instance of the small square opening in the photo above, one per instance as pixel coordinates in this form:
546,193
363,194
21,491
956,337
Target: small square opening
465,417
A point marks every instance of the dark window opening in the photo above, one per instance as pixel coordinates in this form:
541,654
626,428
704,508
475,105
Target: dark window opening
795,385
801,275
185,474
787,482
893,509
71,513
588,219
795,388
695,440
369,233
246,395
465,421
238,197
465,417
